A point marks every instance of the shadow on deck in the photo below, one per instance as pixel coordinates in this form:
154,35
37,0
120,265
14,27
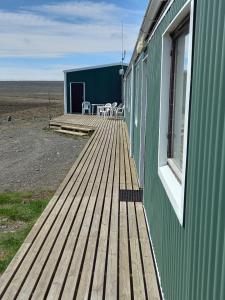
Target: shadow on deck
91,242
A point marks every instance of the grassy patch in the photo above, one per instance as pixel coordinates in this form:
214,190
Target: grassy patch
18,213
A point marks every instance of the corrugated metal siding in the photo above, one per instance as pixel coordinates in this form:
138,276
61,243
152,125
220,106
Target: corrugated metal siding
207,149
127,98
191,259
136,111
102,85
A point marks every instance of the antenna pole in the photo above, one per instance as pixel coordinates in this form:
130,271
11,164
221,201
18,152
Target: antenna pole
122,67
122,47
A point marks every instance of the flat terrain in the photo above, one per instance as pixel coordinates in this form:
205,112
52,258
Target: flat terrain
31,156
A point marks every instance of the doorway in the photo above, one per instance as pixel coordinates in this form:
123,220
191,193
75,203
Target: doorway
77,96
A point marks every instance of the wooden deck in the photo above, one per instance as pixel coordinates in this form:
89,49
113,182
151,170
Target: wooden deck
91,242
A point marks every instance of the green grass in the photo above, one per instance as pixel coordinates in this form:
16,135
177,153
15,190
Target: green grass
18,211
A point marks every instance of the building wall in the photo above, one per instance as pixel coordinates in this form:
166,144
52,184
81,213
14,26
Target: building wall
136,110
127,99
191,259
102,84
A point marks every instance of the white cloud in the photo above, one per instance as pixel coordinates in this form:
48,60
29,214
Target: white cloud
100,11
45,32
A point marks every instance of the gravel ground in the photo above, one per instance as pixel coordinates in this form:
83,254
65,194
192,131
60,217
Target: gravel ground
33,158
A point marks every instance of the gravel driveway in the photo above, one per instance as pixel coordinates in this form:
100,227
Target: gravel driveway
33,158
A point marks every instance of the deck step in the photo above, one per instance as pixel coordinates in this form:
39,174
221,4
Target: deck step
78,133
54,125
77,128
71,128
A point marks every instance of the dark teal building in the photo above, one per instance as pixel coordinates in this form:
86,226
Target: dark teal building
98,85
175,112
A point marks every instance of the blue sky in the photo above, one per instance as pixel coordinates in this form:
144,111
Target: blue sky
40,38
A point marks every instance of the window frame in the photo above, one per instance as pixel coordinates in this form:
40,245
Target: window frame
175,35
172,181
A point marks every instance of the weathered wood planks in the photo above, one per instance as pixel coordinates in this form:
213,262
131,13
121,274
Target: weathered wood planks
88,243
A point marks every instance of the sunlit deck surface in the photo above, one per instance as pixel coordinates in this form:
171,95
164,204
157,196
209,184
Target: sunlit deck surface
91,242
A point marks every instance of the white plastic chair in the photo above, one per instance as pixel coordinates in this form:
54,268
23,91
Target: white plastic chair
105,110
113,108
86,106
120,110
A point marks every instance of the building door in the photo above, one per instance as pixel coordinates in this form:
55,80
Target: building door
77,96
143,123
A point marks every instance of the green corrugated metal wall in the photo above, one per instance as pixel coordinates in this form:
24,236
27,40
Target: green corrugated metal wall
101,84
137,113
191,259
127,98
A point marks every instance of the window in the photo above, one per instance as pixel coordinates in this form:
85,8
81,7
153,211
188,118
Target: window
177,103
174,106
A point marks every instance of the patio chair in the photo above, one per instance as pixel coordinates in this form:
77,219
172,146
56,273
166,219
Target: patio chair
113,108
120,110
105,110
86,106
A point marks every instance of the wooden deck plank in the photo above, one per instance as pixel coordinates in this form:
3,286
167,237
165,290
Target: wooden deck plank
124,269
99,271
122,162
134,177
137,272
83,196
88,263
76,133
149,269
74,271
124,263
78,128
136,256
128,179
88,243
111,288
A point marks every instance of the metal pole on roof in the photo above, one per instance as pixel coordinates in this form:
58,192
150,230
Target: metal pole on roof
122,45
122,63
123,51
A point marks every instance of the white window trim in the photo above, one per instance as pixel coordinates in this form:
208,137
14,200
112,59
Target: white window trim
175,190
